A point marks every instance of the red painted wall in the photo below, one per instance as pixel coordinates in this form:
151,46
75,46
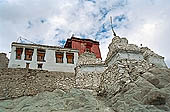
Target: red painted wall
96,50
83,44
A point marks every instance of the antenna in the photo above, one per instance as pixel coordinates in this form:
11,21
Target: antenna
20,38
112,26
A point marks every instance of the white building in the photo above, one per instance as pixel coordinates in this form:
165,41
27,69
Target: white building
35,56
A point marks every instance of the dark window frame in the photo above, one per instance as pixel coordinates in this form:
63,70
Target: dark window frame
41,55
19,55
40,65
28,54
68,55
59,57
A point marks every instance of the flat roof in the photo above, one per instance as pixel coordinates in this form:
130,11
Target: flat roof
75,38
40,45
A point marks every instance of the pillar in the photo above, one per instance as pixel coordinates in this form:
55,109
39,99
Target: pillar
13,53
34,57
12,57
75,57
23,54
64,58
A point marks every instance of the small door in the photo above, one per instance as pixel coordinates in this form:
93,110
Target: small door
40,65
27,65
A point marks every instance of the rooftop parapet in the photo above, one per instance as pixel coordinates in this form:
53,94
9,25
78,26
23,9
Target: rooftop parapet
89,58
42,46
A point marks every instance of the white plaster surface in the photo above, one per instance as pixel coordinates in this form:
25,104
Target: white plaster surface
159,62
50,59
99,68
125,55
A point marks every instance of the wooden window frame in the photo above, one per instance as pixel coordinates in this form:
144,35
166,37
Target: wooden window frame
68,55
19,53
41,54
28,54
59,57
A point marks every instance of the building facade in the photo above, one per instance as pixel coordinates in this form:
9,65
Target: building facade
35,56
84,45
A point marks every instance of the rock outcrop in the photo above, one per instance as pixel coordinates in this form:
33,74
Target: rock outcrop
3,60
139,92
136,80
74,100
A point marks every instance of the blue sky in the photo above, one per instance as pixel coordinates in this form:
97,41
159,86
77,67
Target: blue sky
51,22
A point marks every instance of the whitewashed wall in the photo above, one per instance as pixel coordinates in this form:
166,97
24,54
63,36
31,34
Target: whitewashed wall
125,55
159,62
50,60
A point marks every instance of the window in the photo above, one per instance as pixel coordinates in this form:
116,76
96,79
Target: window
27,65
70,58
87,50
28,54
59,57
19,53
88,47
40,65
40,55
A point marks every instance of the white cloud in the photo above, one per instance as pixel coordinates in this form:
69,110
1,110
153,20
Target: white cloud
147,22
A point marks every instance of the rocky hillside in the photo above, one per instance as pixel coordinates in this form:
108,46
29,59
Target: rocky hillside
136,80
149,92
74,100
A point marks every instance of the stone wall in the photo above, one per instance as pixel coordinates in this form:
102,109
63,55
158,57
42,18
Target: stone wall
23,82
120,44
88,77
88,71
132,86
126,62
153,58
89,58
3,60
119,48
121,73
